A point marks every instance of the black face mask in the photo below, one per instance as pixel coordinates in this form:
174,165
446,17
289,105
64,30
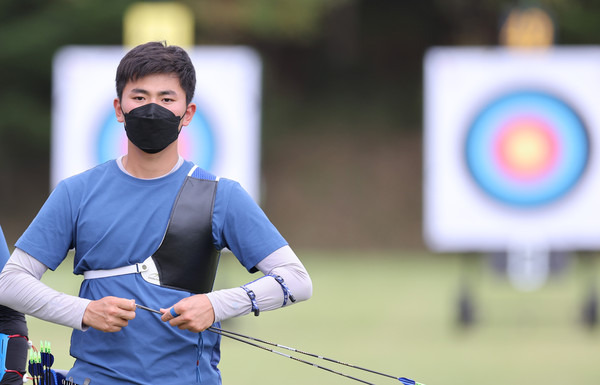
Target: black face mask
151,127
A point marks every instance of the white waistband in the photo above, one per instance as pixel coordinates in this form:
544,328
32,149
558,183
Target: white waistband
93,274
147,269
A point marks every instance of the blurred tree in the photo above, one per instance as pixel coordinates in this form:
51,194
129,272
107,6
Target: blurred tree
282,20
31,33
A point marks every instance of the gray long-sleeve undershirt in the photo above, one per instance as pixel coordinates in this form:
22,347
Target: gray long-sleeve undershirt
22,290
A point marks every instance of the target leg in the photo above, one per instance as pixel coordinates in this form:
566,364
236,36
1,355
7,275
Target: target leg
589,309
465,305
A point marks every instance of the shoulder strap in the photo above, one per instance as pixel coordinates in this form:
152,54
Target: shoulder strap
198,173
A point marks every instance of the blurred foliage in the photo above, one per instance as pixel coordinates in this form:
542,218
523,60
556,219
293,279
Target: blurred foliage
31,31
351,64
281,20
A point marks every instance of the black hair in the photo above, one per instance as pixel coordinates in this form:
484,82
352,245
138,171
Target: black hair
157,58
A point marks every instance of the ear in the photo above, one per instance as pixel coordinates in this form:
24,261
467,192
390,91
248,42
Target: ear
189,114
118,110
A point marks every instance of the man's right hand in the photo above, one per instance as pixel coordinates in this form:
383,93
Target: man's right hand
109,314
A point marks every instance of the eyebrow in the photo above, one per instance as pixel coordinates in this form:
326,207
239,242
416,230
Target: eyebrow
145,92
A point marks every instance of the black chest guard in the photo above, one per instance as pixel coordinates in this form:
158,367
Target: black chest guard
187,259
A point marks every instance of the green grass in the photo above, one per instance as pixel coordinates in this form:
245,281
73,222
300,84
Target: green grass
395,313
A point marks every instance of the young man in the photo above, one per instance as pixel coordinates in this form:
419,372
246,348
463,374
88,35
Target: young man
150,202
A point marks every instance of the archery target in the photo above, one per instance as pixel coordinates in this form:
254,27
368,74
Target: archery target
527,148
223,136
508,149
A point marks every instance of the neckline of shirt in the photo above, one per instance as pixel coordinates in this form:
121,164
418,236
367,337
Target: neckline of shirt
175,168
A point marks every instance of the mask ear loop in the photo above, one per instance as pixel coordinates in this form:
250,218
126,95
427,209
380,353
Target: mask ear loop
124,120
180,119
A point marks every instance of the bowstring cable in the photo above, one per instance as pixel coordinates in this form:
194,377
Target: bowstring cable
233,337
244,338
301,352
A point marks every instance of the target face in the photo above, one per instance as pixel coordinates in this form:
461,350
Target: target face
527,148
509,141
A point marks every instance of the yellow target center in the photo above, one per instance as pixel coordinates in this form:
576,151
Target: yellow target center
527,150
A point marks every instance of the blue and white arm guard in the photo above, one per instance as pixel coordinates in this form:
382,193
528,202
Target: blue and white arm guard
286,281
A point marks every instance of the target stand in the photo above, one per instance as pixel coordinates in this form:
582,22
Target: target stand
509,157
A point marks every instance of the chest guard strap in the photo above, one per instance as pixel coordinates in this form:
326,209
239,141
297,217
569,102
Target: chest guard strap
186,258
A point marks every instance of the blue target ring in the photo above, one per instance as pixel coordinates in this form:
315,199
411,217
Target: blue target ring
196,142
527,148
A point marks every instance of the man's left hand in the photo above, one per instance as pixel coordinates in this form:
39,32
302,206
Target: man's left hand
193,313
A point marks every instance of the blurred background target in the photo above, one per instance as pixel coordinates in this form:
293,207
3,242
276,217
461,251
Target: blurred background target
508,149
527,148
223,137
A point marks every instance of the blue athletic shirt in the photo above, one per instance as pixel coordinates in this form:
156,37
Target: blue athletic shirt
112,219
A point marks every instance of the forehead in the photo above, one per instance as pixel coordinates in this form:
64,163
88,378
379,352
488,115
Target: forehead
155,83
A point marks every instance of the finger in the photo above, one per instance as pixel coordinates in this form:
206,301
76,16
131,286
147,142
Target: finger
178,320
127,315
126,309
120,322
168,314
127,304
175,320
